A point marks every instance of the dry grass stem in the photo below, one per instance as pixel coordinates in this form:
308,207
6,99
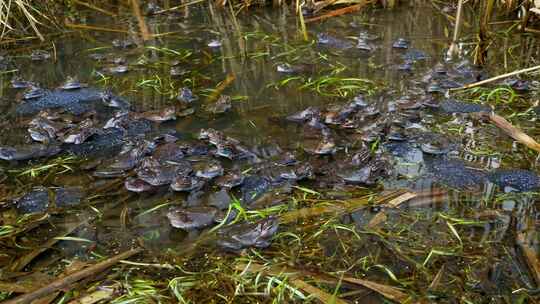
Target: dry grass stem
514,132
495,78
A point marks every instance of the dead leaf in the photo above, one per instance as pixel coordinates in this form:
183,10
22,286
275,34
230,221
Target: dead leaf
378,219
394,203
514,132
321,295
386,291
98,295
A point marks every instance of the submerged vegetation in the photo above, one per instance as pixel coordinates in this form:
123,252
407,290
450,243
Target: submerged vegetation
394,254
270,114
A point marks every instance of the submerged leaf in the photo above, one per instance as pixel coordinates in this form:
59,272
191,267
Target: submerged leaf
387,291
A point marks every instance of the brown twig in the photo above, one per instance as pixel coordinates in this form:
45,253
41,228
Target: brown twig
339,12
72,278
514,132
495,78
387,291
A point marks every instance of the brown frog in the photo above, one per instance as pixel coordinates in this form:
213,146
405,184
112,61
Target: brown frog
245,235
168,113
191,217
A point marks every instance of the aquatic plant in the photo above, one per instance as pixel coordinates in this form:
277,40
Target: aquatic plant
55,166
330,85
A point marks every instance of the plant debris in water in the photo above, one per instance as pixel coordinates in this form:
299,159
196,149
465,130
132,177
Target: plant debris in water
230,157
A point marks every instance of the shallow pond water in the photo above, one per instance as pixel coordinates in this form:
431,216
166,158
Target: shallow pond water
278,125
